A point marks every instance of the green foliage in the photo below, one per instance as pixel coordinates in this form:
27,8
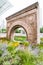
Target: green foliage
10,48
40,58
41,30
17,31
1,52
2,30
40,46
26,43
1,60
16,61
6,63
26,58
7,57
20,38
41,40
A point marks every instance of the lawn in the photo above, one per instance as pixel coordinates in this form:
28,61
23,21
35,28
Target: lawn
20,38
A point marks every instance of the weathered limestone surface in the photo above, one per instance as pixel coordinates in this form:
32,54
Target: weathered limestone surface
27,19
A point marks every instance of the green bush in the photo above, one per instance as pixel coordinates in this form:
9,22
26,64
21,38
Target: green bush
1,60
1,52
3,30
41,30
7,57
41,40
6,63
17,31
26,43
26,58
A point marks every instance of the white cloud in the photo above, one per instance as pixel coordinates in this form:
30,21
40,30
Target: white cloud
21,4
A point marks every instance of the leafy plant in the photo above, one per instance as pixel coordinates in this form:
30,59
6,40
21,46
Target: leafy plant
7,57
26,58
3,30
1,52
17,31
1,60
41,40
41,30
26,43
6,63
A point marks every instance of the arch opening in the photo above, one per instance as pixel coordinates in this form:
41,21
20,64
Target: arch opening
18,33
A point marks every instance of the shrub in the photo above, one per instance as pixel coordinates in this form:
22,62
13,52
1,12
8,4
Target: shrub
26,43
26,58
6,63
7,57
41,40
41,30
1,52
1,60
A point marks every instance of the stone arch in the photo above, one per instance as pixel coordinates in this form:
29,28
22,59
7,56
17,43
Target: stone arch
28,19
14,28
19,24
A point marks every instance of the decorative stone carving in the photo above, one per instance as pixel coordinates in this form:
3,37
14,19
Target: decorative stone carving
27,19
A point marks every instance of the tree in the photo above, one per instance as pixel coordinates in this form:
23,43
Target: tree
41,30
2,30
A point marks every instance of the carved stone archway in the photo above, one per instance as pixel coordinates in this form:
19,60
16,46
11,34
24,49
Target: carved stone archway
27,18
20,24
17,27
